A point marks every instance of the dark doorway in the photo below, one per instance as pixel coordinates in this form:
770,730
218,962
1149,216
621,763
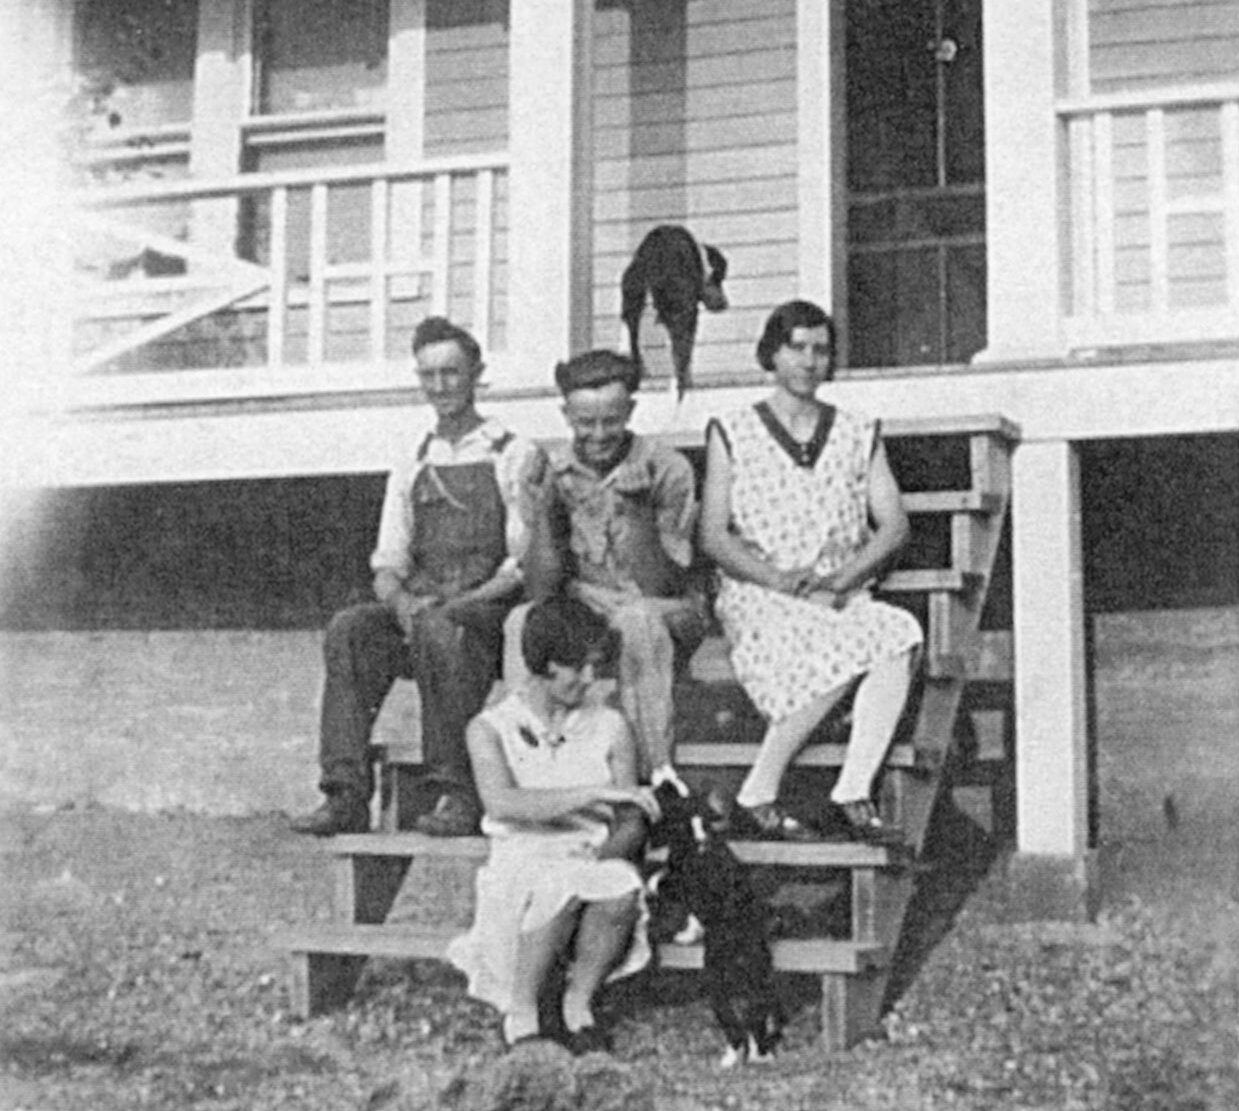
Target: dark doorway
916,182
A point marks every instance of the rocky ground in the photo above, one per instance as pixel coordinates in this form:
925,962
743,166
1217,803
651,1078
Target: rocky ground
136,973
136,968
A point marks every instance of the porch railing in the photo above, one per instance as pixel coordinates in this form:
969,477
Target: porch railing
290,274
1154,234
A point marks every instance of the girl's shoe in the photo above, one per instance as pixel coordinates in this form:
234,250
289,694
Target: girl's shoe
510,1042
589,1039
865,824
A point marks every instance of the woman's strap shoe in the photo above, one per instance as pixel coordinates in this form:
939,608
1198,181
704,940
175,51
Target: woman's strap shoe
768,821
864,823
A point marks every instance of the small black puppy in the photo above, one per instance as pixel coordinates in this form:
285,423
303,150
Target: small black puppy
705,876
668,265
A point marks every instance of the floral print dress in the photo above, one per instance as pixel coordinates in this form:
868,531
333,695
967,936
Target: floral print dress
799,504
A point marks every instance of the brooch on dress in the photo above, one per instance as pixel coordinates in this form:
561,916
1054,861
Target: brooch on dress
531,738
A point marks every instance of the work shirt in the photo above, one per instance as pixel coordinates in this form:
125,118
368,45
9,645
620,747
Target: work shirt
624,526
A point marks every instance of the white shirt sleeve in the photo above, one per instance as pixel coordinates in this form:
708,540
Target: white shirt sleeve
391,551
511,471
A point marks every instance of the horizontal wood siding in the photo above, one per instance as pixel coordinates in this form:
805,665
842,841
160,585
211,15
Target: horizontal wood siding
695,124
466,76
1135,44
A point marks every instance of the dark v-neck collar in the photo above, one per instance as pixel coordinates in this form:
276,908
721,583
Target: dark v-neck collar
803,453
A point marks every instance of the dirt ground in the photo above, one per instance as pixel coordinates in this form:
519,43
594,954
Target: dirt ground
136,968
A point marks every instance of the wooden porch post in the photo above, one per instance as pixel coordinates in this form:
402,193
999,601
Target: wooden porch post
221,93
1025,191
822,150
550,186
1051,728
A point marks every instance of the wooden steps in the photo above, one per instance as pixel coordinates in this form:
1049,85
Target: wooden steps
326,961
853,971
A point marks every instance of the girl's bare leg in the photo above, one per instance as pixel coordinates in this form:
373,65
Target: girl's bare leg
601,942
535,956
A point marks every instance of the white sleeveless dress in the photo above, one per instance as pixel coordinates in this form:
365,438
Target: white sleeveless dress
797,507
535,870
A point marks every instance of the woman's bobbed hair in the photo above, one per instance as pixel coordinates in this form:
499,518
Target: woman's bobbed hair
787,318
565,631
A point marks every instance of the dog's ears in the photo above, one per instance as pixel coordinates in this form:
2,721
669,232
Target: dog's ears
717,262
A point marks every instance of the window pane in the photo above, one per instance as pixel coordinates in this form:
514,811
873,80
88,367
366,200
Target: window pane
319,54
963,94
145,49
965,302
348,206
894,313
892,104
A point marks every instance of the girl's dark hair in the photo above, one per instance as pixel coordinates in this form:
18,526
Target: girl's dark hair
787,318
565,631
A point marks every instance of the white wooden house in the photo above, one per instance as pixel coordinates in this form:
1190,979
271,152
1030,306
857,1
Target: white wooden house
1021,207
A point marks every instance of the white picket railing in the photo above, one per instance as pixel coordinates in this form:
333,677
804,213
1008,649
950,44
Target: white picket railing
428,233
1154,234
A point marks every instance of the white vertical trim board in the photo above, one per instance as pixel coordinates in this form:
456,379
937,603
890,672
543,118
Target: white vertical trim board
1159,251
1048,624
1103,210
1230,193
317,327
277,311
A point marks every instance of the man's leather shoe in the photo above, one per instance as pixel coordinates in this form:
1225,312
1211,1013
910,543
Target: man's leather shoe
451,817
334,816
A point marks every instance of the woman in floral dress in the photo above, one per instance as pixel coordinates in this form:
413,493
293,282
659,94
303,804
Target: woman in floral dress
557,775
801,512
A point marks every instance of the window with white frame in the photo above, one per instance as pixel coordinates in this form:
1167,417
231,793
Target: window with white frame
319,55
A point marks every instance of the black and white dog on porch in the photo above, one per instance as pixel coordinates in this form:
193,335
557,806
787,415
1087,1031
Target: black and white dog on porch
677,274
705,877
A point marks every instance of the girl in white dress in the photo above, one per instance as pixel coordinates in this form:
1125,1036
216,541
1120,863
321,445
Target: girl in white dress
800,512
557,776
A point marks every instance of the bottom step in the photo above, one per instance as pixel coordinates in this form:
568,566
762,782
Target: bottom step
328,960
410,941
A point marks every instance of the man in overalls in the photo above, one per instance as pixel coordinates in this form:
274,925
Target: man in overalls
446,572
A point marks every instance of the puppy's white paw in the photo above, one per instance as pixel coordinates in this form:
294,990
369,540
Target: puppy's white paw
731,1058
691,932
756,1056
665,773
